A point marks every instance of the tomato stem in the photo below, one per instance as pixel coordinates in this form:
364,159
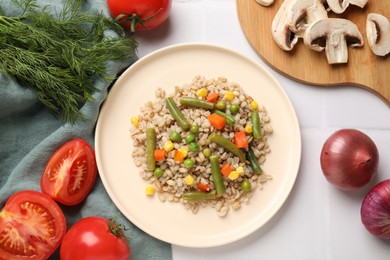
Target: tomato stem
135,19
116,229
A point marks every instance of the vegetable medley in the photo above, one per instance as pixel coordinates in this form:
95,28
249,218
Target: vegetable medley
203,145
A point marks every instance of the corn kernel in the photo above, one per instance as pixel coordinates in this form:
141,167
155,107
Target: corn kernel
202,93
240,170
248,128
189,180
135,121
233,175
254,105
149,190
168,146
229,96
184,151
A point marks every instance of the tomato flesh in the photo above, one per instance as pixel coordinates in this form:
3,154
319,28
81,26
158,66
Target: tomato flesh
91,238
157,11
70,172
31,226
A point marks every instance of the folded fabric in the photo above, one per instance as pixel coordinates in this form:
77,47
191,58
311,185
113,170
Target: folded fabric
29,134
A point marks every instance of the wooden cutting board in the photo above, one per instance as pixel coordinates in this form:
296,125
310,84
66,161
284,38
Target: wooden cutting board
364,69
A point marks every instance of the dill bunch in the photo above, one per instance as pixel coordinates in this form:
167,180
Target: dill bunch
61,56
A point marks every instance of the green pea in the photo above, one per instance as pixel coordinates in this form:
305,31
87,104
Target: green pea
194,129
158,172
234,108
189,163
175,136
194,147
246,185
189,138
220,105
206,152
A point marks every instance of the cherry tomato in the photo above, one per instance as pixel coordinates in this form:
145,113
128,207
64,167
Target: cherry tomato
70,172
140,15
31,226
95,238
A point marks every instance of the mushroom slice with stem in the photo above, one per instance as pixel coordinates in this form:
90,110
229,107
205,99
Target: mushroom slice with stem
333,35
265,2
306,12
292,19
378,34
338,6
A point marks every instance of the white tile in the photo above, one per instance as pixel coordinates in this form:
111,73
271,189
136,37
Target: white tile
317,222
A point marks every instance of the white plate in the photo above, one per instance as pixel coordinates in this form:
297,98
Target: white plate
169,67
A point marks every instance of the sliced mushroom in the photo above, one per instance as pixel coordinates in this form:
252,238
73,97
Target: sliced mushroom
378,34
339,6
292,19
334,35
306,12
281,32
360,3
265,2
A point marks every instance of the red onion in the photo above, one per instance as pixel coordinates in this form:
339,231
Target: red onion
349,159
375,210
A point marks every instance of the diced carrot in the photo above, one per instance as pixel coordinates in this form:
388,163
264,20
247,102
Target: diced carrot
159,155
212,97
240,139
179,156
203,187
217,121
226,169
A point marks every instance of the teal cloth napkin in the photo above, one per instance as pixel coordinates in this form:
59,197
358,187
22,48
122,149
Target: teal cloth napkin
29,134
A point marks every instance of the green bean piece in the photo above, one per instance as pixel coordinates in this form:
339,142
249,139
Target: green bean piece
217,176
150,147
176,114
228,145
253,162
195,102
255,119
199,195
229,119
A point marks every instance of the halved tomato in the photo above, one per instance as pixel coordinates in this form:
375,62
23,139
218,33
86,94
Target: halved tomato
31,226
70,172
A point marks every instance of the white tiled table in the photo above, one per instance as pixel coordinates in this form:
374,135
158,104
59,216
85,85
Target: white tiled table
317,221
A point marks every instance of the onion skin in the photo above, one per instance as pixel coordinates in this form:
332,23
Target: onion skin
375,210
349,159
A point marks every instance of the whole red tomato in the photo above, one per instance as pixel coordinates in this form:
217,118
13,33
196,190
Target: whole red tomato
95,238
140,14
70,172
31,226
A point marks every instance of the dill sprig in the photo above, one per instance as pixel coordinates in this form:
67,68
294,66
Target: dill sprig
61,56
